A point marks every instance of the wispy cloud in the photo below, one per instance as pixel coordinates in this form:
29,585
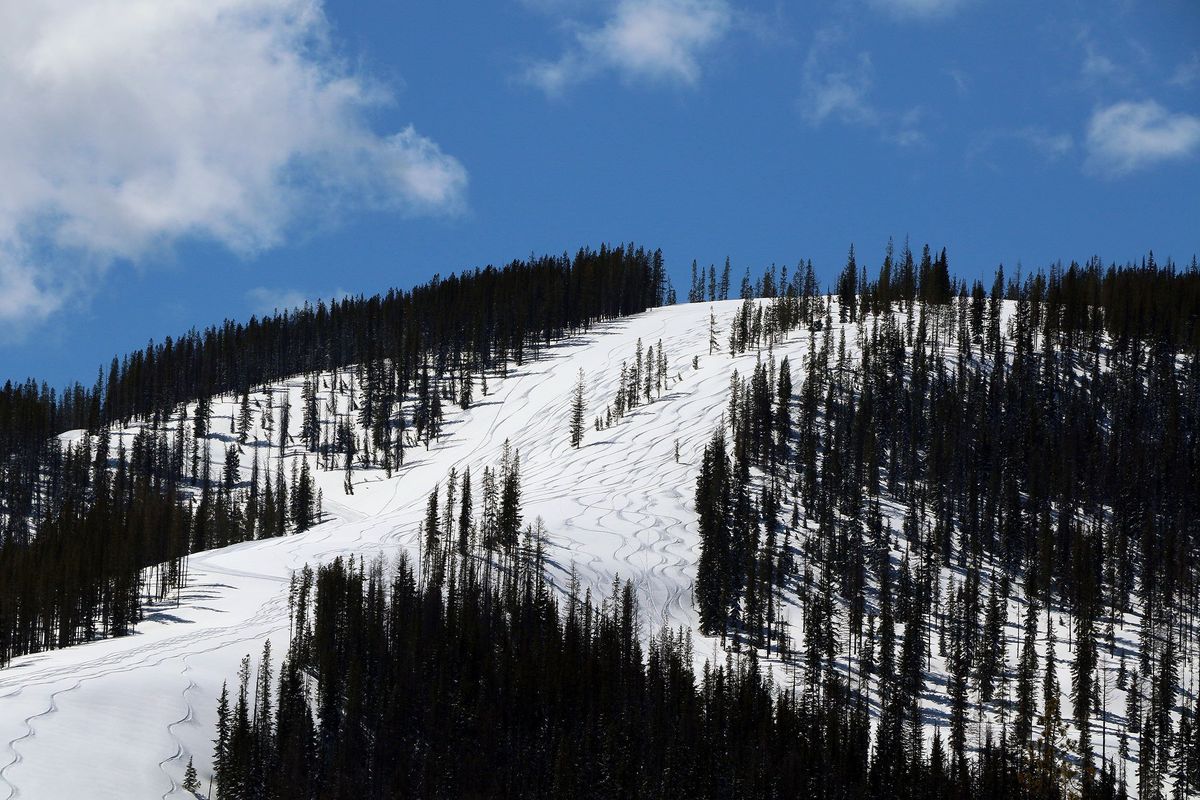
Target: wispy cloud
265,301
838,88
962,81
1048,146
1051,146
133,124
1128,136
918,8
1096,65
841,93
1186,73
1104,65
655,41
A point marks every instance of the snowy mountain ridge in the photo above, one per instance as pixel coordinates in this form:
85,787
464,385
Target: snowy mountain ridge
621,504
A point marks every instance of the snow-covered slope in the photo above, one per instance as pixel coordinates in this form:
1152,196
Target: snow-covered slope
121,717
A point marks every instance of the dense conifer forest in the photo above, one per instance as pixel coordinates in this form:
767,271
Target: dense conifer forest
470,678
955,470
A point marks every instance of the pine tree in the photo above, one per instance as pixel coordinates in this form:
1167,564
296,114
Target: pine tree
509,521
302,499
464,518
349,446
577,412
1051,704
434,429
191,782
285,418
713,590
847,288
231,472
244,417
466,391
489,527
202,417
221,743
432,525
310,425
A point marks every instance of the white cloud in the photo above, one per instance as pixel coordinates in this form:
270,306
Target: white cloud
23,294
918,8
842,93
133,124
659,41
1127,136
839,89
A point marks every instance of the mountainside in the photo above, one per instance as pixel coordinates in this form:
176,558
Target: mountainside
618,505
625,504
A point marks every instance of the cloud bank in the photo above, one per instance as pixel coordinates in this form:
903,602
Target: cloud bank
131,125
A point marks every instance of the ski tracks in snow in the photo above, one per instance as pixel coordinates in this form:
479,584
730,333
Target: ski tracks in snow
620,505
29,733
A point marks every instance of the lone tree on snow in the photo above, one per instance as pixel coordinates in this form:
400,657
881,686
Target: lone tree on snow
577,411
191,782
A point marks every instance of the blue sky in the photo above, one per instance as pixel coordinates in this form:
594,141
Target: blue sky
175,164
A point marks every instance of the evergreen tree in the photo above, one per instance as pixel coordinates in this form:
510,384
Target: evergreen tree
578,410
221,757
244,417
465,525
509,518
714,573
191,782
